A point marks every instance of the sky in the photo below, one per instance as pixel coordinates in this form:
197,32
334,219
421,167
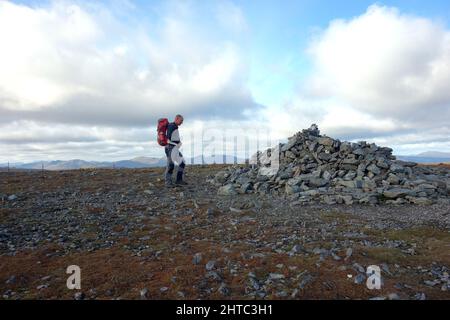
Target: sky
89,79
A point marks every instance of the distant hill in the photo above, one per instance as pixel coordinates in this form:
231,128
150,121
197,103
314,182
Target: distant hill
63,165
427,157
142,162
138,162
151,162
434,154
423,159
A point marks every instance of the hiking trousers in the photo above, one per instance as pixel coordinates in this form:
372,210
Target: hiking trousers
171,156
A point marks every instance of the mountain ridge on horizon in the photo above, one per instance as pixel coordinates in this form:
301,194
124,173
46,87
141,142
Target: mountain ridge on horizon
150,162
137,162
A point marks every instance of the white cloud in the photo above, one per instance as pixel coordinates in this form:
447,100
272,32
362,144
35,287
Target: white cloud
385,63
68,63
34,43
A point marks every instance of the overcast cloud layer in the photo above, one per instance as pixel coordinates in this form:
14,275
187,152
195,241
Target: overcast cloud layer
69,89
62,65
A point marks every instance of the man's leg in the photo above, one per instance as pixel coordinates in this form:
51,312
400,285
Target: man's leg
169,168
180,172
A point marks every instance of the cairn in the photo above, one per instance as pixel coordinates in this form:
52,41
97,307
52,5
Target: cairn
314,167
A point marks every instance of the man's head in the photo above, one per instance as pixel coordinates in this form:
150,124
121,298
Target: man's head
178,119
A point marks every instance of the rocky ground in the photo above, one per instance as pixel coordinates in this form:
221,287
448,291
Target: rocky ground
135,239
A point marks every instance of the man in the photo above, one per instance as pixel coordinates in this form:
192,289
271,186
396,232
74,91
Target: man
173,153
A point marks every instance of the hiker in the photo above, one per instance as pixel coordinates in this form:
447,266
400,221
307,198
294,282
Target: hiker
173,153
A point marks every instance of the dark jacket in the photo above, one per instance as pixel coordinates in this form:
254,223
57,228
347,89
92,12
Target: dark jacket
172,134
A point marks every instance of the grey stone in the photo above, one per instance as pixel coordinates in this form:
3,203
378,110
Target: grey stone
325,141
335,256
292,189
420,296
393,179
276,276
420,201
214,275
210,212
345,147
11,280
289,154
383,163
227,190
288,145
305,281
350,176
295,181
351,161
326,175
368,184
79,296
221,177
255,284
344,199
347,184
393,296
324,156
329,199
197,258
396,168
297,249
358,268
210,265
397,193
319,250
425,186
374,169
224,290
359,152
317,182
143,293
309,193
407,163
359,278
348,253
430,283
281,294
246,187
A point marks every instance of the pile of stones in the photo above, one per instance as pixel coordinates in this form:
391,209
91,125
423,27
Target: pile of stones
316,168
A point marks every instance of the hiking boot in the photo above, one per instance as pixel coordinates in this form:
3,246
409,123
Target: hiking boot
181,183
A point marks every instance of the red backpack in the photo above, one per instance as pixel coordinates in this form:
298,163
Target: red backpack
162,131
